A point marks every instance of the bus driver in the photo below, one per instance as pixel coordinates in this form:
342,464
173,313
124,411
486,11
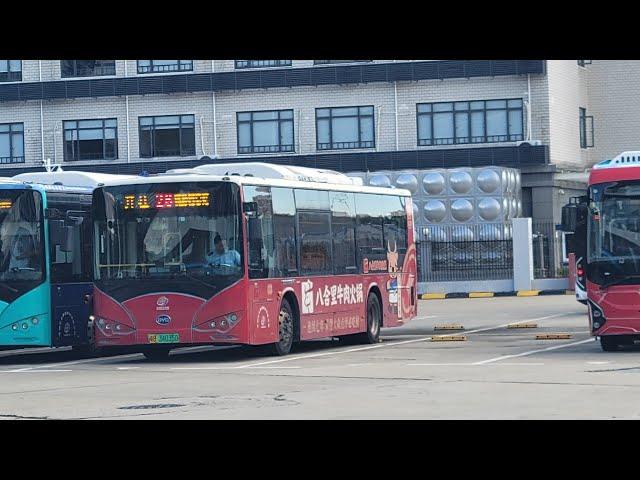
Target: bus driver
221,256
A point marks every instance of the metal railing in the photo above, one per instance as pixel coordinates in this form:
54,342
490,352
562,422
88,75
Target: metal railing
459,253
267,149
548,251
4,160
262,63
345,145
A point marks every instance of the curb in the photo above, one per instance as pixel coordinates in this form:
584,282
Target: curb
519,293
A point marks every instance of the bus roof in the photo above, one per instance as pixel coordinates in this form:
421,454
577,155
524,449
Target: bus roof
622,167
187,175
70,179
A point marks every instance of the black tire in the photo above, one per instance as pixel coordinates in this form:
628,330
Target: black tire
88,350
286,331
374,320
156,354
609,344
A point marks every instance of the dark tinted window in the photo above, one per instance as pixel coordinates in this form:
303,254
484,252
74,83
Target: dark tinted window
260,229
369,230
284,232
315,242
74,265
343,223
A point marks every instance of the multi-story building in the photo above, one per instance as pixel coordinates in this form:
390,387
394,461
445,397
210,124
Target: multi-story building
348,115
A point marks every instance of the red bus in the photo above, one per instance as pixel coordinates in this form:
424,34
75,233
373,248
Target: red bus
613,251
250,253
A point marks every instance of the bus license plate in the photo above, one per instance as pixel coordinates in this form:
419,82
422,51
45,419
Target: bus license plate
164,338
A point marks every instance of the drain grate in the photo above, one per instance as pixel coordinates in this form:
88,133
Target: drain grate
152,406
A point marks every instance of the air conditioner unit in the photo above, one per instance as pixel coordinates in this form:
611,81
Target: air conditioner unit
535,143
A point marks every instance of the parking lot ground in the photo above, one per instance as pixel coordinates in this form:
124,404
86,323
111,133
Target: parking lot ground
497,373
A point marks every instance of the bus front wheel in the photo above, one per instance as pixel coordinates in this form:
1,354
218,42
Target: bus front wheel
609,344
286,330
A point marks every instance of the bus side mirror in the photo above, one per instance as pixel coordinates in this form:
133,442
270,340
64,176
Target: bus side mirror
250,208
61,235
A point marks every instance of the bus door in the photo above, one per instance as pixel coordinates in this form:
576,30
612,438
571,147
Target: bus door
71,287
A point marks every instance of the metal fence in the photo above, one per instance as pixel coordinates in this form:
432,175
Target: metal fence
548,251
459,253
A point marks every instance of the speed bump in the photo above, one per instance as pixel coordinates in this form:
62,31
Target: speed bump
448,327
480,294
434,296
553,336
522,325
449,338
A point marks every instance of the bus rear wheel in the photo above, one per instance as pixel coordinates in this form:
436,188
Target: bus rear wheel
157,354
374,320
286,331
609,344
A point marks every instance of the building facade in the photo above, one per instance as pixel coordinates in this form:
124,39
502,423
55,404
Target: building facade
129,116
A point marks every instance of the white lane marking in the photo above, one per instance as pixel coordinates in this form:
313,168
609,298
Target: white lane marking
127,368
597,363
472,364
531,352
390,344
33,371
78,362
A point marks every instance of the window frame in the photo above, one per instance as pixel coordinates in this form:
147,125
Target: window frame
78,75
17,74
239,65
253,149
331,145
78,128
153,130
469,110
583,121
11,159
152,69
339,62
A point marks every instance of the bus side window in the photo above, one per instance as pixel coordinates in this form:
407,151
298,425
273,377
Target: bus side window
284,232
260,235
343,232
369,237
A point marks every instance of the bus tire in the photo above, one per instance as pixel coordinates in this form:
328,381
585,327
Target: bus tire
374,320
609,343
158,354
286,330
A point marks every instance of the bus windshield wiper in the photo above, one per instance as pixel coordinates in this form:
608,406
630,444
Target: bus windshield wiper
14,290
619,279
22,269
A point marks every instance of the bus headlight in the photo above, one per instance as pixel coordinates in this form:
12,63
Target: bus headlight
110,328
597,316
35,320
219,324
14,327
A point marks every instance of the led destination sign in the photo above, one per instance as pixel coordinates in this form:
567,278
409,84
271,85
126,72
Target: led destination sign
5,204
165,200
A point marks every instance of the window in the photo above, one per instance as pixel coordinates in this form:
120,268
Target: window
265,132
90,140
584,63
328,62
167,136
87,68
262,63
260,228
483,121
161,66
74,265
369,230
284,232
10,70
586,129
345,127
343,231
11,143
314,231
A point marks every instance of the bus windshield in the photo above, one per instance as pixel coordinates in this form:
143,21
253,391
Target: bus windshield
614,233
21,242
168,237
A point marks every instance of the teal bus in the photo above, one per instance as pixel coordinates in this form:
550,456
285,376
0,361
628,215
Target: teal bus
45,259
